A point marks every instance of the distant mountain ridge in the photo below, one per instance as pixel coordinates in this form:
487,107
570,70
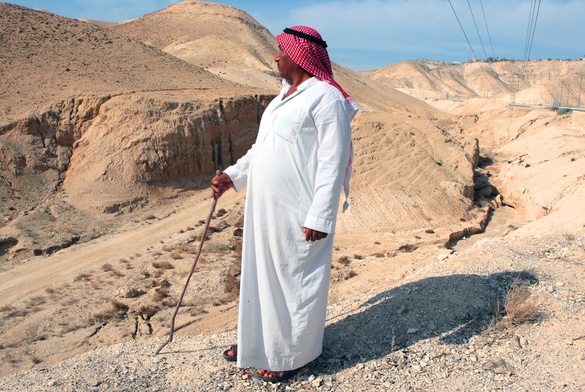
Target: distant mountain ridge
536,82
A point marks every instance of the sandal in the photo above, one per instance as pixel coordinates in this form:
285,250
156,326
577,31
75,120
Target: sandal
234,350
286,374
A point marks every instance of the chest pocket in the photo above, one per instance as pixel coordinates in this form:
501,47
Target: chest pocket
288,126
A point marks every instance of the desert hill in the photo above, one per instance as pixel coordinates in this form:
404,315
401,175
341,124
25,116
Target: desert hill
532,82
241,49
59,58
105,165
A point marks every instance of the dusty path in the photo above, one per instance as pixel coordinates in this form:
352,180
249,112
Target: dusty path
41,272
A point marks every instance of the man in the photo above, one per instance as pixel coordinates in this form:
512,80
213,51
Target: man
294,173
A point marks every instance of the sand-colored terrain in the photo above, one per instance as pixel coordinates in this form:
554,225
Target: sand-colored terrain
109,135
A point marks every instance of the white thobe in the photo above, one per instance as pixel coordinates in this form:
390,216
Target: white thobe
293,174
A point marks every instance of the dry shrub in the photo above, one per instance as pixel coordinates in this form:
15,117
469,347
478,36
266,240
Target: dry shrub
68,301
7,308
116,273
119,306
408,248
18,313
215,246
11,359
196,311
102,316
85,277
36,301
147,311
343,260
341,275
163,265
11,312
221,212
159,294
519,308
107,267
169,302
116,310
176,254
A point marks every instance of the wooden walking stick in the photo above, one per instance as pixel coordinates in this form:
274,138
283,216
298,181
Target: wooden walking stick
170,339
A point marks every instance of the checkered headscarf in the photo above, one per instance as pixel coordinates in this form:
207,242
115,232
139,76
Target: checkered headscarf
307,49
305,46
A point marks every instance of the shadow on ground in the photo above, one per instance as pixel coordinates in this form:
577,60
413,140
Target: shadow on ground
453,308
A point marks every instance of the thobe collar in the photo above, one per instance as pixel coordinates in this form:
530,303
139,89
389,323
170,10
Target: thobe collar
301,87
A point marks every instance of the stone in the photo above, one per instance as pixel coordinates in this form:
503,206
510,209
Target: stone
498,366
127,292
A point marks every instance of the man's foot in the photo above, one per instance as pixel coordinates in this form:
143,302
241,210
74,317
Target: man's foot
231,354
270,376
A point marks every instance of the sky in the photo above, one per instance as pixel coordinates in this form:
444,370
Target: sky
370,34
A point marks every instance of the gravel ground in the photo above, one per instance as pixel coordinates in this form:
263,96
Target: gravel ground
445,329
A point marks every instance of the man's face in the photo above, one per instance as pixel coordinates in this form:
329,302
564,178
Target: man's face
286,67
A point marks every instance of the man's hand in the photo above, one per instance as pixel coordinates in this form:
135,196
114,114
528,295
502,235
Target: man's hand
313,235
220,184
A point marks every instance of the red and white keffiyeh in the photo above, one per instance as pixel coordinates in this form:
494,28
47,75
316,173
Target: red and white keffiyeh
305,46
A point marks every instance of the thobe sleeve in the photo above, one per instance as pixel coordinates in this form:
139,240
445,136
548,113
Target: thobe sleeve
334,134
238,172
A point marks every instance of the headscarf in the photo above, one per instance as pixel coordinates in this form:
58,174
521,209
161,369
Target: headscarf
305,46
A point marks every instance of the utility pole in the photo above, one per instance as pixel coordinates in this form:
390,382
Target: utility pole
514,86
580,84
568,92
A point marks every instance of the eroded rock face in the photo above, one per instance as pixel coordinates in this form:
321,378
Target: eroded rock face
109,150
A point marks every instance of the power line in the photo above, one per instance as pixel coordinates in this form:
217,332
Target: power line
531,29
476,29
487,29
482,69
528,29
463,30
